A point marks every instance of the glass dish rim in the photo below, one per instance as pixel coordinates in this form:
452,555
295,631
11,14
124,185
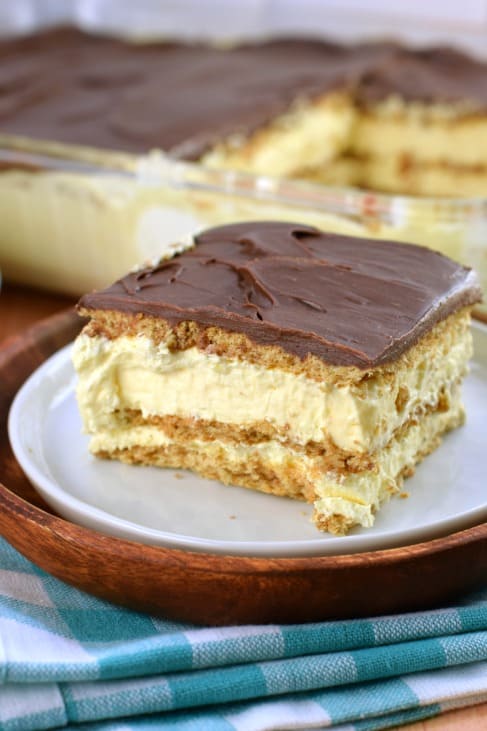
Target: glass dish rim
157,168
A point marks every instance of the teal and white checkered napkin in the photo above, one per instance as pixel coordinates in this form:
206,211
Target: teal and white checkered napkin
67,658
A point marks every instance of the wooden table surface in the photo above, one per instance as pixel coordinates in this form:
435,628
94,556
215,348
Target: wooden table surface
20,307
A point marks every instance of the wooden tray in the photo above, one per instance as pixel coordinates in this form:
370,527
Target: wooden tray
209,588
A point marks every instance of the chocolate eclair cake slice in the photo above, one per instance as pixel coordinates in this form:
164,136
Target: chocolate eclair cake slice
277,357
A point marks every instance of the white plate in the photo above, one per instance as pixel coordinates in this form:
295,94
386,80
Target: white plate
181,510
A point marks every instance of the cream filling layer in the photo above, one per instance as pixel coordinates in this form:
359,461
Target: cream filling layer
134,373
422,178
308,134
429,133
354,496
358,495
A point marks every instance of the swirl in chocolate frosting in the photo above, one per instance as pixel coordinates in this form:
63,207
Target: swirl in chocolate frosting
347,300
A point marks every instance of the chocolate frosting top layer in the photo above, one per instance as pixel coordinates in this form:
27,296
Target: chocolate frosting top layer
432,75
67,86
349,301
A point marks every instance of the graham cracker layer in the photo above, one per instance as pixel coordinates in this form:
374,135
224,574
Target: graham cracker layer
182,431
210,460
294,475
216,341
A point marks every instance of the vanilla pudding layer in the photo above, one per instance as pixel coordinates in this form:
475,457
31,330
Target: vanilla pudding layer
135,374
314,132
342,499
427,132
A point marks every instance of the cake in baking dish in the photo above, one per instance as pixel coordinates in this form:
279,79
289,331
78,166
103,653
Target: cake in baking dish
375,115
278,357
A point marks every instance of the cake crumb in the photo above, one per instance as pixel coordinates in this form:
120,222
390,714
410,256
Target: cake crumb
232,517
178,476
404,495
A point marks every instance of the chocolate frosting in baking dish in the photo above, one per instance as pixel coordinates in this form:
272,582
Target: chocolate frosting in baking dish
68,86
347,300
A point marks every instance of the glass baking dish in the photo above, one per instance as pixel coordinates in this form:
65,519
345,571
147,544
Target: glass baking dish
72,220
